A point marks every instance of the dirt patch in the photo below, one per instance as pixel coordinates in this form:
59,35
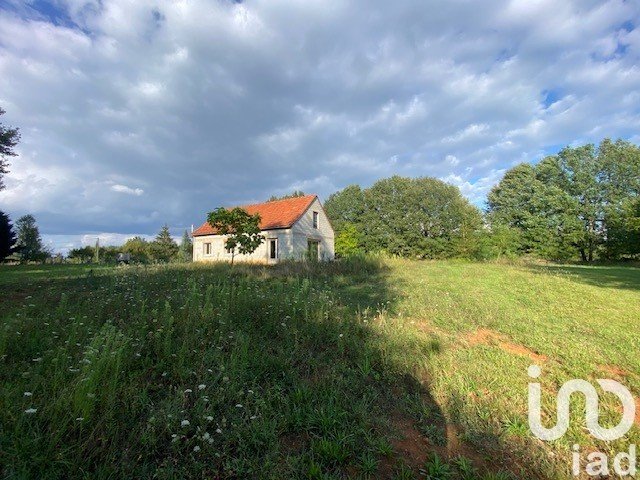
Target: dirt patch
614,371
410,444
294,442
415,449
484,336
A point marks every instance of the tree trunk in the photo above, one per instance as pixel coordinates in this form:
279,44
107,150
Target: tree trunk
583,254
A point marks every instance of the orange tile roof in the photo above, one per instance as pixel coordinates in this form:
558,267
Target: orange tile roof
275,214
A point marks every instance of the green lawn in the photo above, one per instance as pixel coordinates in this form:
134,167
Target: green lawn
360,369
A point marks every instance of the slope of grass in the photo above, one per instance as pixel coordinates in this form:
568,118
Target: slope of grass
365,368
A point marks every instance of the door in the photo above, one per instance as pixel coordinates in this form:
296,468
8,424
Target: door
313,250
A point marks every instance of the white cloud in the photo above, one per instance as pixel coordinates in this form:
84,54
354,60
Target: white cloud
128,190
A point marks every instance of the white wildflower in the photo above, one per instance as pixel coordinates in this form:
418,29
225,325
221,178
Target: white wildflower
31,410
209,418
185,423
196,449
188,390
27,394
202,386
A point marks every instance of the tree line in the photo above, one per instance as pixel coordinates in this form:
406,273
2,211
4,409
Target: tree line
23,243
582,203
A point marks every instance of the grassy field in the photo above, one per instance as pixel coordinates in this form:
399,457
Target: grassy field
360,369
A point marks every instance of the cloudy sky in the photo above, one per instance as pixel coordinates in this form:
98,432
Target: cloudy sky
136,113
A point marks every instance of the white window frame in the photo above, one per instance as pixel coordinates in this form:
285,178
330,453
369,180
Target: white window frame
206,248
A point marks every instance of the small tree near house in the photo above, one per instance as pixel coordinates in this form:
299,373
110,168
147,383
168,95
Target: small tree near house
242,230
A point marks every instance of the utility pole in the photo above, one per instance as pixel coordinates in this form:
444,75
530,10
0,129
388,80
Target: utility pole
96,256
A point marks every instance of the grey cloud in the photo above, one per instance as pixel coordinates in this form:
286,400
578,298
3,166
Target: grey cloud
137,114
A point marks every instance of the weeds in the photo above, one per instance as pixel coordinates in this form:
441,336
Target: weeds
296,371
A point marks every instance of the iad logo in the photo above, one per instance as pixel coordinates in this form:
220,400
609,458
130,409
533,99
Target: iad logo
598,461
591,396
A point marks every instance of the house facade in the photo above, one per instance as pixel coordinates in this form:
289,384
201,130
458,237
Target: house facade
293,228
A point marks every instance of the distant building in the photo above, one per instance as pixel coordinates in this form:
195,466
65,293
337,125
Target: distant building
294,228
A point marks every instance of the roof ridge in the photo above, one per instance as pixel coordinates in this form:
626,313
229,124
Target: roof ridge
276,200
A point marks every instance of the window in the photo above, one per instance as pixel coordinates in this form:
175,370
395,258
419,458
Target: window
315,219
207,248
273,248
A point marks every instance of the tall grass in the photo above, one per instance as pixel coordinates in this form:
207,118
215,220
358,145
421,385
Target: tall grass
240,372
362,368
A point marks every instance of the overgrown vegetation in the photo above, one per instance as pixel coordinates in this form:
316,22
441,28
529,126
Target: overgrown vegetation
363,368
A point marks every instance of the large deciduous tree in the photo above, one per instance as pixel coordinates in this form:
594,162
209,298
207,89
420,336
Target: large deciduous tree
241,229
580,201
544,214
7,236
411,217
9,138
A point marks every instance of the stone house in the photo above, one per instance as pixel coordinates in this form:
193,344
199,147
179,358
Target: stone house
294,228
